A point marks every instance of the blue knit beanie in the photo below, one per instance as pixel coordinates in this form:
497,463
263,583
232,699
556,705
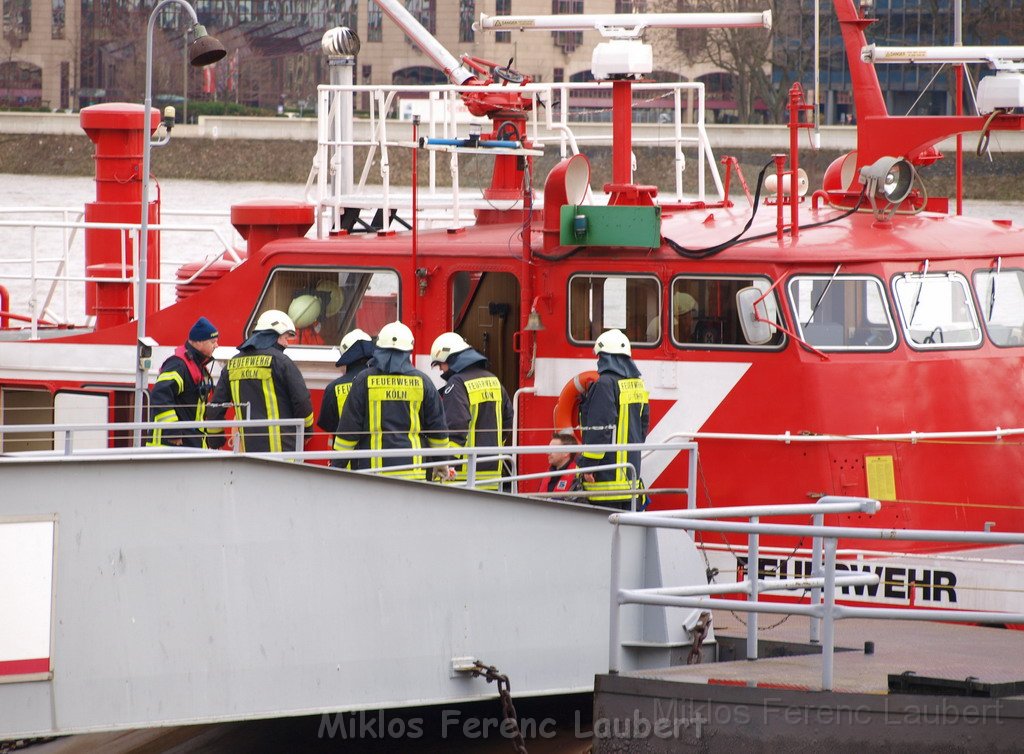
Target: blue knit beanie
203,329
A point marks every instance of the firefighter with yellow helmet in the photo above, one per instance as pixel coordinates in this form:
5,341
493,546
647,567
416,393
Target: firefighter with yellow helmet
265,379
615,410
393,405
477,408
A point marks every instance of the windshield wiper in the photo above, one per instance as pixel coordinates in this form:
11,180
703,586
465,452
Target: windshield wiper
992,289
824,293
917,301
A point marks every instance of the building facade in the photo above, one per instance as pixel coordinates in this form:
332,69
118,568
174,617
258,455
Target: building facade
38,54
65,54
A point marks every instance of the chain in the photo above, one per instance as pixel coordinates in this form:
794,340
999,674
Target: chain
699,633
713,572
490,673
6,747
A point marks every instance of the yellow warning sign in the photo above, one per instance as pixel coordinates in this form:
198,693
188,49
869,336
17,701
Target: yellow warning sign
881,477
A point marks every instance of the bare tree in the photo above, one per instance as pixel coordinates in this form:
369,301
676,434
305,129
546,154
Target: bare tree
760,65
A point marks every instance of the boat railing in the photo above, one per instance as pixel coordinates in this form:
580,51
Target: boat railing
47,272
822,609
913,437
336,183
94,437
863,555
77,440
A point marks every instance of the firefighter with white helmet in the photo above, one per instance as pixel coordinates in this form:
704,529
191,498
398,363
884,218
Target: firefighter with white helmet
356,350
392,405
476,405
263,377
615,410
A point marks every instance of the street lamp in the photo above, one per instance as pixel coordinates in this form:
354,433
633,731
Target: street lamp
204,51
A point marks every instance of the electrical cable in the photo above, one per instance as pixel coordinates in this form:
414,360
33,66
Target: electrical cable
710,251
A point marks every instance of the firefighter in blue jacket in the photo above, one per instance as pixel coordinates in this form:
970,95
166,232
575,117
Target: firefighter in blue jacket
614,411
476,406
265,379
392,405
183,389
356,350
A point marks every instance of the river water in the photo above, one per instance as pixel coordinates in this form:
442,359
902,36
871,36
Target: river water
24,197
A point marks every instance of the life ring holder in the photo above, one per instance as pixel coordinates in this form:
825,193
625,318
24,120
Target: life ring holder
567,409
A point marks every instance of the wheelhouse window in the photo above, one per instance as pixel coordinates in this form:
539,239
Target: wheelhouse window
842,312
936,310
1001,298
703,314
625,302
325,304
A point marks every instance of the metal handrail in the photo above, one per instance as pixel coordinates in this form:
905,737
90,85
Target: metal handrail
823,580
473,455
70,252
69,429
912,437
333,183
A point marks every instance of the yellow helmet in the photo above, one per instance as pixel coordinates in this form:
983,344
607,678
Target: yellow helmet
305,310
683,303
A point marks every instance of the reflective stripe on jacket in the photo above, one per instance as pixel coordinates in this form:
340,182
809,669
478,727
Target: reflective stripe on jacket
388,411
479,414
272,386
181,393
615,411
334,397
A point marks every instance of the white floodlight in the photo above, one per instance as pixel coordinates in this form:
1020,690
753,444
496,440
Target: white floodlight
889,179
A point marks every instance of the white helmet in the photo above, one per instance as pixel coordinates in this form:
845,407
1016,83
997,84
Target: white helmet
445,345
276,320
351,339
613,341
395,335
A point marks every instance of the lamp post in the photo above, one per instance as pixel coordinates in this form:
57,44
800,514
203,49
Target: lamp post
205,50
184,79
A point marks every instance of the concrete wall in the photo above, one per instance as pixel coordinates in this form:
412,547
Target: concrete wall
833,138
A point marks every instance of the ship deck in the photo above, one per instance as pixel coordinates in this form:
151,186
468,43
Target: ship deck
966,691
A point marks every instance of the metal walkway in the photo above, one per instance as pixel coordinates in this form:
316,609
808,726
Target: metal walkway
774,704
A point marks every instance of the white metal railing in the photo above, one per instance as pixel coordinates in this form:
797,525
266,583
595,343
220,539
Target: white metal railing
913,437
64,434
47,274
823,580
335,183
62,439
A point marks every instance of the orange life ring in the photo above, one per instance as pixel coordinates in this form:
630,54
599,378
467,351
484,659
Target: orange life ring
567,410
